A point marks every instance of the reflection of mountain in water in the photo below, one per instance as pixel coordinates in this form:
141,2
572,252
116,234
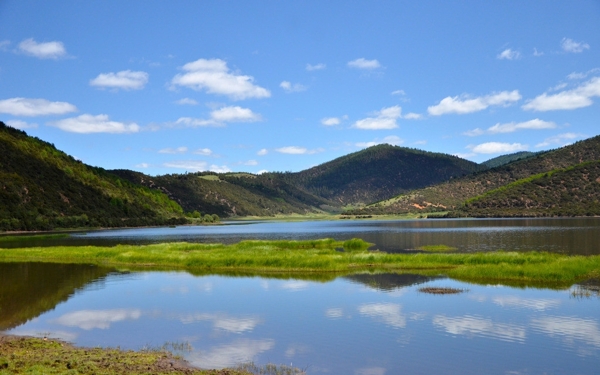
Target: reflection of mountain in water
389,281
29,289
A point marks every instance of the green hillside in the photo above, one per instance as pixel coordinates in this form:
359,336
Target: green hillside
231,194
377,173
505,159
451,195
43,188
573,191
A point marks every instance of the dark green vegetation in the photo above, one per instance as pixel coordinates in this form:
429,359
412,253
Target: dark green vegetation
573,191
533,268
42,188
377,173
452,194
27,355
509,158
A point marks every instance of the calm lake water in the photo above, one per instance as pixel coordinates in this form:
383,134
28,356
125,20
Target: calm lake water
569,235
362,324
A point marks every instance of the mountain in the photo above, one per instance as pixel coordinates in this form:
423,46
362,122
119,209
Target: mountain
573,191
505,159
450,195
43,188
231,194
377,173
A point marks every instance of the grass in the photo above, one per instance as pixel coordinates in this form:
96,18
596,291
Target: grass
437,248
320,257
28,355
18,238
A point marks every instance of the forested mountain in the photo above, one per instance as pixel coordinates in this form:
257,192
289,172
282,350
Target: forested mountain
43,188
378,172
505,159
231,194
574,191
452,194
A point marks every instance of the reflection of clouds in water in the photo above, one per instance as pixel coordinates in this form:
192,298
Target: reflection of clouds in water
334,313
295,285
224,322
539,304
230,355
60,335
294,349
470,325
388,313
570,329
371,371
90,319
175,289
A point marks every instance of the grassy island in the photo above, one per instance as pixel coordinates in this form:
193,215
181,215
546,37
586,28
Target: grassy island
324,256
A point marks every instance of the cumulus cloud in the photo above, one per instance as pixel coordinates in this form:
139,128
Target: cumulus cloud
34,107
561,139
474,133
48,50
384,119
178,150
509,54
390,140
319,66
535,124
18,124
203,151
94,124
142,165
363,63
330,121
296,150
537,53
578,97
125,79
398,92
497,148
463,104
214,76
412,116
289,87
197,166
569,45
186,101
262,152
221,116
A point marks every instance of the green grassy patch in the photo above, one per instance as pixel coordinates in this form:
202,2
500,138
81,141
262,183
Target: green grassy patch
437,248
18,238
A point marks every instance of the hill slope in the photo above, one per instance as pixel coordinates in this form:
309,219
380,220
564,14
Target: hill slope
378,172
573,191
231,194
451,195
43,188
505,159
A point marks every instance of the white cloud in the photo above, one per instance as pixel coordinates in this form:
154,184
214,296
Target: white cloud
569,328
125,79
578,97
194,122
186,101
334,313
537,53
102,319
388,313
295,285
215,77
178,150
262,171
34,107
48,50
234,114
231,354
142,165
330,121
569,45
562,139
463,104
289,87
538,304
390,140
262,152
509,54
251,162
535,124
224,322
412,116
319,66
384,119
18,124
474,133
203,151
497,148
398,92
197,166
295,150
363,63
470,325
94,124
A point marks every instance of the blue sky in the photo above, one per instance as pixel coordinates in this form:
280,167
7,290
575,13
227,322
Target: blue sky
175,86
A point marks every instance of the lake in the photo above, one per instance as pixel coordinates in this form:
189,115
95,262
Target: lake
565,235
366,324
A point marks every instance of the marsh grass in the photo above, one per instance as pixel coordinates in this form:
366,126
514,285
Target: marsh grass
297,258
437,248
270,369
18,238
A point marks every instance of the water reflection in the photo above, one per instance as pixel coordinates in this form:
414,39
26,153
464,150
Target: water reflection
388,313
569,329
477,326
97,319
230,354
